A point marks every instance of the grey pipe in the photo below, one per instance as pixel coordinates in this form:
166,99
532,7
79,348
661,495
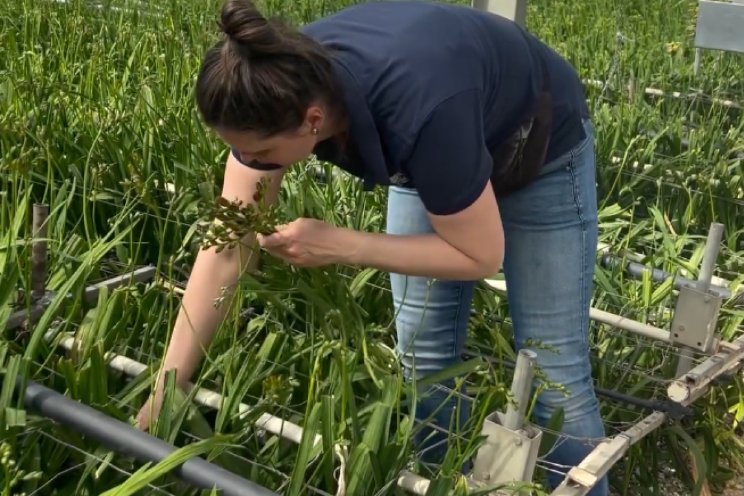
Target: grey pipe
91,294
703,284
712,248
524,372
128,440
39,252
636,270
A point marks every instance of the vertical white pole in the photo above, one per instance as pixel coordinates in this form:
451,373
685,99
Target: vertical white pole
516,10
521,388
39,251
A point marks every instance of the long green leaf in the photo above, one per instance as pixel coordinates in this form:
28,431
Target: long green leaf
150,473
305,452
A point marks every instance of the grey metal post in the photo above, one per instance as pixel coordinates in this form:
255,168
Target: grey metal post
521,387
512,444
39,251
516,10
718,27
142,274
710,254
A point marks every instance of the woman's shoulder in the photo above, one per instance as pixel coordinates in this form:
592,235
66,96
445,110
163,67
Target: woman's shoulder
406,57
400,49
420,35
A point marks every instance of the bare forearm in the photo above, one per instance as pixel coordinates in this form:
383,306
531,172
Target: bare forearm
198,316
416,255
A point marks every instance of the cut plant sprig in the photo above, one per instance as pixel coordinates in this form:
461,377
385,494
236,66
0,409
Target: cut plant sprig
74,142
232,220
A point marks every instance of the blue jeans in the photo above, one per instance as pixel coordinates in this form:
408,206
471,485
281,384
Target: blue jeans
550,230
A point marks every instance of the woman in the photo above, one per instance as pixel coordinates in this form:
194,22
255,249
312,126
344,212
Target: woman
482,135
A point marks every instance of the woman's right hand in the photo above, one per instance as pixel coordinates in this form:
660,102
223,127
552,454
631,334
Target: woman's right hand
150,410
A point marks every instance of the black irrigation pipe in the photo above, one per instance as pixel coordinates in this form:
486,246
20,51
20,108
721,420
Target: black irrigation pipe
128,440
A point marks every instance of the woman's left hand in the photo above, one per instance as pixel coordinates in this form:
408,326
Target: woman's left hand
305,242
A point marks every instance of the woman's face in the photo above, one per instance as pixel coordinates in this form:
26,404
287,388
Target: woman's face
285,148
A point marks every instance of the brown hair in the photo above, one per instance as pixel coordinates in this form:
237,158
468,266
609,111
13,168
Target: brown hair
262,74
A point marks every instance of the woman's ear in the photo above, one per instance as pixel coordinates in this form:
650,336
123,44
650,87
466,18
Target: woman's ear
314,120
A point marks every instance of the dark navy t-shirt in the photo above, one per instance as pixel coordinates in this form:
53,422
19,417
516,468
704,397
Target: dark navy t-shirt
431,88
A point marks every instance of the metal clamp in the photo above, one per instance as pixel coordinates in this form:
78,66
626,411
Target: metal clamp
509,454
697,308
695,318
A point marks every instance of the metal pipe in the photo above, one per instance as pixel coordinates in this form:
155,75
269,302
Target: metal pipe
524,372
205,397
710,255
39,251
597,83
636,270
267,422
582,478
719,284
631,325
123,438
142,274
612,319
670,408
692,385
138,275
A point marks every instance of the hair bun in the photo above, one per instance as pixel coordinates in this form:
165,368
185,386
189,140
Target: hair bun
245,25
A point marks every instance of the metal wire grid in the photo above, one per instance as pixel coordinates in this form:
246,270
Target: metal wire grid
164,212
631,414
115,462
668,350
657,384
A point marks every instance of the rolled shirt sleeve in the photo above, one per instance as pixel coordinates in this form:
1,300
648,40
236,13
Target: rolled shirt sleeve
450,163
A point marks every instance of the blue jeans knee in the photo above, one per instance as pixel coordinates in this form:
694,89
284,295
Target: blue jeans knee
550,231
431,324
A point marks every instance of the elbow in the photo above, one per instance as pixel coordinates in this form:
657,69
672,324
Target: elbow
490,266
482,265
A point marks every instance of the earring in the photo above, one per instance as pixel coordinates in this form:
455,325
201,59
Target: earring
315,130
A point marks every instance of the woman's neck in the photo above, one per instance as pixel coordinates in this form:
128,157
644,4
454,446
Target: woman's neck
337,126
